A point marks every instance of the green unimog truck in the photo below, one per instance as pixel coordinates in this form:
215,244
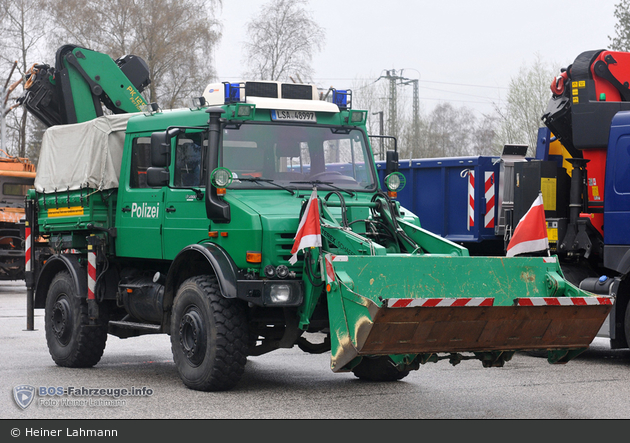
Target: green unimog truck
185,222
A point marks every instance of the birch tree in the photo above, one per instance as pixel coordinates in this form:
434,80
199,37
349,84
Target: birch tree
527,99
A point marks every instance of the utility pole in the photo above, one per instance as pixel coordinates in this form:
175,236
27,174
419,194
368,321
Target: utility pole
380,132
393,78
393,103
416,110
393,100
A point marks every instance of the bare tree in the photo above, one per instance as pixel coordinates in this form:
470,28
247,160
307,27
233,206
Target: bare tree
174,37
445,131
21,33
282,41
526,101
621,41
484,135
450,131
374,96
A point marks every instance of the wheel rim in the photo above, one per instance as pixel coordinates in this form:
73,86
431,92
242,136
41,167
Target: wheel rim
61,320
192,336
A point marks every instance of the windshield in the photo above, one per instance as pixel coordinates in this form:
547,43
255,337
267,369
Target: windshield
288,154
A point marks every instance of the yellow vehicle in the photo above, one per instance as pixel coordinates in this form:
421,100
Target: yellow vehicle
16,177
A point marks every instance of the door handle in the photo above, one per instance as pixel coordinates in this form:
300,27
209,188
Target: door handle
126,209
171,209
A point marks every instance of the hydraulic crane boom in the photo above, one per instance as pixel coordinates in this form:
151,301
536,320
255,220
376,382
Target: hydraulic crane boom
82,81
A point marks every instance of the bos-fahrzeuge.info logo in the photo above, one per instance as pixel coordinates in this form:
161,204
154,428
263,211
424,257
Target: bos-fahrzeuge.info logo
51,396
23,395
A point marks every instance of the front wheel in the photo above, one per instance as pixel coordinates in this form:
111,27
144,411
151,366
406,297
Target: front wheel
209,336
72,341
378,369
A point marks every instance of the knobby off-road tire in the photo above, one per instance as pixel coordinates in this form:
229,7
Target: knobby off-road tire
72,341
209,336
378,369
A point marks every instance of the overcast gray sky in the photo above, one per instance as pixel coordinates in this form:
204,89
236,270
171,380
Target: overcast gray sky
463,52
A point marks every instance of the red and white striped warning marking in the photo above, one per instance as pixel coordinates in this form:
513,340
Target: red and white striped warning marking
91,274
27,249
439,302
489,193
471,199
330,271
563,301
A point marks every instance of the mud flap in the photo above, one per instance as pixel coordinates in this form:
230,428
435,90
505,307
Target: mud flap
427,314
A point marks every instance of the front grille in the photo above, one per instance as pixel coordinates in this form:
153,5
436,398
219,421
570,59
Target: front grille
283,244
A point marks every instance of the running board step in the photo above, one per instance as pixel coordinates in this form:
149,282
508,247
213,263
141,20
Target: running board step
144,328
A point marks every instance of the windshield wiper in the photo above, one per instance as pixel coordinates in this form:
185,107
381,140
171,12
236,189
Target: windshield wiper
265,180
319,182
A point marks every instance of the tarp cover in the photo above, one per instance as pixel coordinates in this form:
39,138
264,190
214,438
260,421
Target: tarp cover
82,155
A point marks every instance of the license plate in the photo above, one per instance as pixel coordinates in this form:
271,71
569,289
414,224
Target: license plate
294,116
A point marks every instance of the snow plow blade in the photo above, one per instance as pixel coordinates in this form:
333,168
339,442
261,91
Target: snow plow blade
442,304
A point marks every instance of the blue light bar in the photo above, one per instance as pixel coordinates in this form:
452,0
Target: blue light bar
343,99
232,92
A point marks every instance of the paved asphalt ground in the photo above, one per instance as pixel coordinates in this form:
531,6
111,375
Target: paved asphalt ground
290,384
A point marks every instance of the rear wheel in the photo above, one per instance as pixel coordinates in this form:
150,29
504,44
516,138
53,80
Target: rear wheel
209,337
378,369
72,341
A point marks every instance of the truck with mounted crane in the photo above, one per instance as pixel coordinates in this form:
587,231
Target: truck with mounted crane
581,167
190,222
16,177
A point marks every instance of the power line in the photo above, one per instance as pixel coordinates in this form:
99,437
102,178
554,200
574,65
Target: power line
465,84
455,100
421,81
453,92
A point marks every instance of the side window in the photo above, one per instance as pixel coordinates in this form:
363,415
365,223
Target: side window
15,189
140,161
189,164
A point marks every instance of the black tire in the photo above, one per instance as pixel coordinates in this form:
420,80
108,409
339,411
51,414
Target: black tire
72,341
209,336
378,369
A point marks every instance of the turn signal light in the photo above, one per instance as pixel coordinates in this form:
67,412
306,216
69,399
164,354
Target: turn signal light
254,257
221,191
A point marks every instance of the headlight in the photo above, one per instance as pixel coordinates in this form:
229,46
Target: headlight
221,177
280,294
395,181
283,293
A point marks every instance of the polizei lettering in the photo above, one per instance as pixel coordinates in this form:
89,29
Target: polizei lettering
145,210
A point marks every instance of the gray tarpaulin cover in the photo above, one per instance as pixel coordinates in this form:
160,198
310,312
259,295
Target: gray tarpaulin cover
82,155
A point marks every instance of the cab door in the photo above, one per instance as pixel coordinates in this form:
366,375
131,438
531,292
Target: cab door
140,208
185,220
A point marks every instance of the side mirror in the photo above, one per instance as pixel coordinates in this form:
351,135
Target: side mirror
391,162
158,177
160,149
